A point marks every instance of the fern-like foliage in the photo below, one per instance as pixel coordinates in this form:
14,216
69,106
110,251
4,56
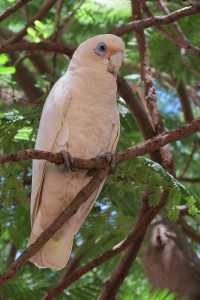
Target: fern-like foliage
141,174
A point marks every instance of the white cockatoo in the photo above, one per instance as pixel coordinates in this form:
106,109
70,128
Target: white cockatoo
81,117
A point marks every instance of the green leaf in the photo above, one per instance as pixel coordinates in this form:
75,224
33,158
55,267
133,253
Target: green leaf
39,24
4,58
7,70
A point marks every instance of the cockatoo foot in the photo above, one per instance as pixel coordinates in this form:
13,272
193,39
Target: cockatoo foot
68,161
110,158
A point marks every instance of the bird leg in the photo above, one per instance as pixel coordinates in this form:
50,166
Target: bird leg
110,158
68,161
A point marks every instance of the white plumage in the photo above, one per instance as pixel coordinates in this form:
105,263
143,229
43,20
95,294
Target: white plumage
80,116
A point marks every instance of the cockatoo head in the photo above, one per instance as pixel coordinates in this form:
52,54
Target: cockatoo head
104,52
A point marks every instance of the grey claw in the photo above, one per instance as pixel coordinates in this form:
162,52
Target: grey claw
111,161
68,161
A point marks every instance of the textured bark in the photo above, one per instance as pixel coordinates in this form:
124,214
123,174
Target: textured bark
185,101
71,209
148,146
138,230
122,268
170,262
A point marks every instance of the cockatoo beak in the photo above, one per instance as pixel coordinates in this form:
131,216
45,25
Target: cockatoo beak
115,61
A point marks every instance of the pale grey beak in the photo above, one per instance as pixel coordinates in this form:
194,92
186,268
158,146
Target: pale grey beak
115,62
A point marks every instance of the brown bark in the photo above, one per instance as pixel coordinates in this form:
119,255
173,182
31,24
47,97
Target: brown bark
39,62
23,76
12,9
179,40
97,163
43,46
185,101
189,230
139,229
161,20
86,192
39,15
25,79
81,197
122,268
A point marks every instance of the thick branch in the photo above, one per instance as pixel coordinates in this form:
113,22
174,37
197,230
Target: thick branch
23,76
182,42
27,46
97,163
71,209
12,9
136,107
185,101
121,270
139,229
127,259
159,20
148,146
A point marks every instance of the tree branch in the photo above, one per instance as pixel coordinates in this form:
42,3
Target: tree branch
97,163
23,76
160,20
136,107
189,230
187,179
40,14
182,42
71,209
128,257
42,46
139,229
12,9
185,101
83,195
121,270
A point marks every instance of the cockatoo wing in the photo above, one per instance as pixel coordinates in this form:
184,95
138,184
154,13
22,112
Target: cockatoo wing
50,124
83,120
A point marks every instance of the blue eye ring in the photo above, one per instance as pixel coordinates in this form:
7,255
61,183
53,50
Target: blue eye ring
101,49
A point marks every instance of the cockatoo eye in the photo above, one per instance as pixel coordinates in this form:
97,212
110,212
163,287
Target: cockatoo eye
101,49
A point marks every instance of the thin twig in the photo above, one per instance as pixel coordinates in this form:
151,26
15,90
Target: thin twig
160,20
10,10
189,230
39,15
181,41
190,180
176,26
189,65
182,173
